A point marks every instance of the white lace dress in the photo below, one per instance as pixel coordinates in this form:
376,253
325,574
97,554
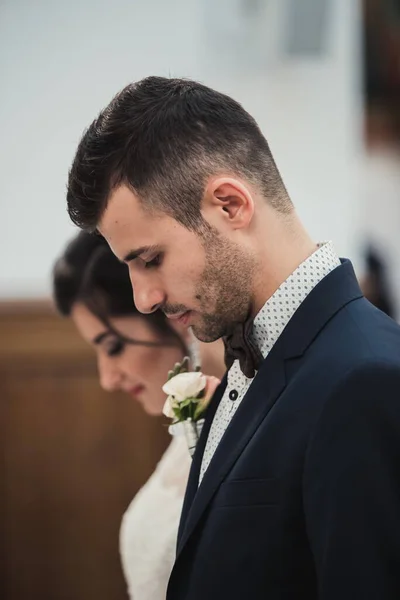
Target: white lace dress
150,525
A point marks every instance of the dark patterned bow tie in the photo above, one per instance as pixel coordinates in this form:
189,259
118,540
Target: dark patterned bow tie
241,345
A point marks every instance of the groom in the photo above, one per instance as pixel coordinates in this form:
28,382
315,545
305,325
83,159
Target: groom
294,490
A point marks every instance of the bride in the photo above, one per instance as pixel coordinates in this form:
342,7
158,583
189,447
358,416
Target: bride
134,354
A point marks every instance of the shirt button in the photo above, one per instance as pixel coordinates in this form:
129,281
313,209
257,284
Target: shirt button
233,394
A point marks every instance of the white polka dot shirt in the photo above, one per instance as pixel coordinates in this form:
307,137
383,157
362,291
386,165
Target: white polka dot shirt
268,326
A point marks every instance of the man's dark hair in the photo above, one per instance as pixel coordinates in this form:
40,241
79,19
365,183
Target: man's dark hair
163,138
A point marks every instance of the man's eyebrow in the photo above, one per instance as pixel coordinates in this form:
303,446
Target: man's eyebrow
132,254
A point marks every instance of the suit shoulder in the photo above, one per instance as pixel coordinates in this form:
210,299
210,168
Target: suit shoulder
360,334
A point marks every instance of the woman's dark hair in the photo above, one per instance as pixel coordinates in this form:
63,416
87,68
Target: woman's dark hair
89,273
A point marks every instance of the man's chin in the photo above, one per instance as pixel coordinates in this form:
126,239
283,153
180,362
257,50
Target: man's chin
206,335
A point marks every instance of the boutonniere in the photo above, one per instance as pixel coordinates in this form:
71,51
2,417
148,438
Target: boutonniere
189,393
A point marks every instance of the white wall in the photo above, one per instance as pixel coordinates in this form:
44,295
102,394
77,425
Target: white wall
61,62
311,112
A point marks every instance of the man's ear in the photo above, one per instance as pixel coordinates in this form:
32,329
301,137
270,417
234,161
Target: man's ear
228,200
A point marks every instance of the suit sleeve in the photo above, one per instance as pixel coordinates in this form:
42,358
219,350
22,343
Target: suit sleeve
351,488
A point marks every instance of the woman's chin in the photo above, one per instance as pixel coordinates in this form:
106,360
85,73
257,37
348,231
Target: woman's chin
151,410
143,398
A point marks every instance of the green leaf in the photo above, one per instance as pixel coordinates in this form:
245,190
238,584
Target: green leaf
186,413
177,412
187,402
198,412
184,403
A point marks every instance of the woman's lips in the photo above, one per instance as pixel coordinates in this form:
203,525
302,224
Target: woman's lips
136,391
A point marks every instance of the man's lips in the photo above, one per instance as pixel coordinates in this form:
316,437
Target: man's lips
182,317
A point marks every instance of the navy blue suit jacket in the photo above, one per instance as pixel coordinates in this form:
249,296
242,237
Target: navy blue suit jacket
302,496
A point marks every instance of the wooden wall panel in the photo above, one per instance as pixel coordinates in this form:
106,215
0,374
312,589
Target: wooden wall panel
74,457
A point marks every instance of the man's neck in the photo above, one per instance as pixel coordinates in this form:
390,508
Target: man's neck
277,270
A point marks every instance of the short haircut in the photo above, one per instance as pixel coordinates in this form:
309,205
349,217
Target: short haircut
164,138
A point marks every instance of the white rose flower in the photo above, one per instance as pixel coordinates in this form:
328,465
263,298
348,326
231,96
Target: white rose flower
185,385
168,407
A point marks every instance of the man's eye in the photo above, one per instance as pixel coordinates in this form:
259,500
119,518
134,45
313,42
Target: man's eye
155,262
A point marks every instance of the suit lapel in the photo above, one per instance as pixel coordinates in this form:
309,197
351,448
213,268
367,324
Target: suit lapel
328,297
263,392
193,480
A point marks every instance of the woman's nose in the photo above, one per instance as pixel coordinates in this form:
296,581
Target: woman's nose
110,377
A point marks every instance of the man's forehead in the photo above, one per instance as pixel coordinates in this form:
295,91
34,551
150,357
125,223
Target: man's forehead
128,227
122,209
124,221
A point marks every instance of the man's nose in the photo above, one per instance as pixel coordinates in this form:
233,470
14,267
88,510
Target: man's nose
147,294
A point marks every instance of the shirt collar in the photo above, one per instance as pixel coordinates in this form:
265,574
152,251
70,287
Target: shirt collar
280,308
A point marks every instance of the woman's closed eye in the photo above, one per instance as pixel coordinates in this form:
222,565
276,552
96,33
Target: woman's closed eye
115,348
